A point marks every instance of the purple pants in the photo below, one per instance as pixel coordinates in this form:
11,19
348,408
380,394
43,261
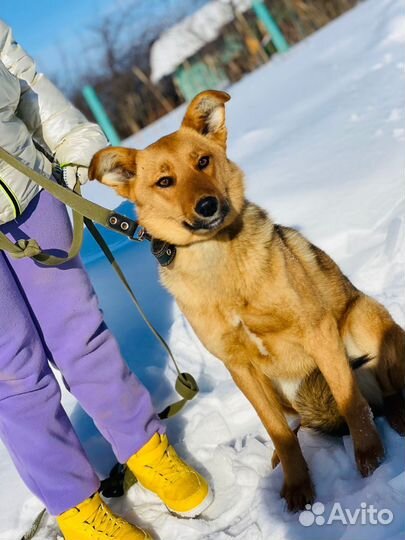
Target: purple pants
53,314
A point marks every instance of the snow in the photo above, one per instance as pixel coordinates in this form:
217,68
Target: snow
320,134
187,37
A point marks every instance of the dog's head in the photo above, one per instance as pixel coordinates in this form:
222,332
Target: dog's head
184,186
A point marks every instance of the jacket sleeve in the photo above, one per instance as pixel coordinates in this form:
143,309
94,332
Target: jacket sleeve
48,115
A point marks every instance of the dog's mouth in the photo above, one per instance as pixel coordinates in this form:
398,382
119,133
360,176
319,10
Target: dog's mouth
206,225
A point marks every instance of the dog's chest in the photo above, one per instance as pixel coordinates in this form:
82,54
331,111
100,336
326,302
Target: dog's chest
227,336
218,293
221,328
219,308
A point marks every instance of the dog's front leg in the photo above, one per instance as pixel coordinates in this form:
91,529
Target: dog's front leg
298,489
324,344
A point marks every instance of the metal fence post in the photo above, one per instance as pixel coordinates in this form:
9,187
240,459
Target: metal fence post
100,115
263,13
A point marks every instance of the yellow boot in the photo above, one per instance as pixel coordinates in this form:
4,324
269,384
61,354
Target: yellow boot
159,469
93,519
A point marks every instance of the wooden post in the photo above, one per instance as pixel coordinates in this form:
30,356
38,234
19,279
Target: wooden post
155,91
263,13
101,115
249,35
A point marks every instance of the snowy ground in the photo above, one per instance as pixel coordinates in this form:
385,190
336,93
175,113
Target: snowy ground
320,134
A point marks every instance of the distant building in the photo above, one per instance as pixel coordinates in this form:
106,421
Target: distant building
200,53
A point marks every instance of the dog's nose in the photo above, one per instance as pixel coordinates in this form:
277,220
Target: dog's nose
207,207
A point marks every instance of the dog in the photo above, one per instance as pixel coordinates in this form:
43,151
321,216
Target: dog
295,334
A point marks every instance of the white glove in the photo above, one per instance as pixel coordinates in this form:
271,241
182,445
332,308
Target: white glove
74,173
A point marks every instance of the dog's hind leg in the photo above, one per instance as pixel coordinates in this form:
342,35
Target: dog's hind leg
368,329
323,342
298,489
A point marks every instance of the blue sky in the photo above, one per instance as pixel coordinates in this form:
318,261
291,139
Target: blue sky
51,30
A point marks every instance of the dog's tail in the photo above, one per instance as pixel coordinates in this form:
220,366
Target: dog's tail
317,407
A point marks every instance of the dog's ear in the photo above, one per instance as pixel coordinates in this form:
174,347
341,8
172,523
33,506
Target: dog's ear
206,114
115,167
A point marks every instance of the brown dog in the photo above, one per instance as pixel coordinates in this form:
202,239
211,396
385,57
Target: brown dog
273,307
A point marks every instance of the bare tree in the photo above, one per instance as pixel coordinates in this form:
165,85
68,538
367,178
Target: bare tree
118,67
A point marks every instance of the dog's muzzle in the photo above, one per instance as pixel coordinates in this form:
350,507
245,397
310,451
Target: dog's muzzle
209,223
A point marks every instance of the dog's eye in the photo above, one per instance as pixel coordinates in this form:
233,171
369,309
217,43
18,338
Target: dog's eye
165,181
203,162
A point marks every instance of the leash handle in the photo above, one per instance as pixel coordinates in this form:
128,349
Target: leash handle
30,248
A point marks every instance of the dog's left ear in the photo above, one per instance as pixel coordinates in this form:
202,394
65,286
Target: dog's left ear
206,115
115,167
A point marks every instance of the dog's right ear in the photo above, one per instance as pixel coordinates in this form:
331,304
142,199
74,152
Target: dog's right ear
115,167
206,115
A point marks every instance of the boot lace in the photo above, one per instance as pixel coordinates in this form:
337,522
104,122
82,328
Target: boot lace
170,466
105,521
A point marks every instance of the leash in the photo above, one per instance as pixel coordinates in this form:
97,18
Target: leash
88,213
186,386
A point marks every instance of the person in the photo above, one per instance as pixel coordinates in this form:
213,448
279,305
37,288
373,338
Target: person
51,314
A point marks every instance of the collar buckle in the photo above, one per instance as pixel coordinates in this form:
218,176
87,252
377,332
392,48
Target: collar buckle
141,234
163,251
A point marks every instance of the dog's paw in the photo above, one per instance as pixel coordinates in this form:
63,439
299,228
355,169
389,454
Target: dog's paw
394,411
369,458
298,495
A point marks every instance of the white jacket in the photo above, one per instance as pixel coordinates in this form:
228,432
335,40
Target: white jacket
31,107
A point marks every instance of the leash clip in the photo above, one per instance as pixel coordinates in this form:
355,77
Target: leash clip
130,228
141,234
126,226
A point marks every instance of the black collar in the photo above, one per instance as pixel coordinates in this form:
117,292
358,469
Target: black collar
163,251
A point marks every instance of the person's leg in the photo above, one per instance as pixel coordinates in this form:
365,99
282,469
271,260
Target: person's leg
67,311
33,425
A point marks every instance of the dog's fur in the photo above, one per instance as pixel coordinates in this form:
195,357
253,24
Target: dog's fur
272,306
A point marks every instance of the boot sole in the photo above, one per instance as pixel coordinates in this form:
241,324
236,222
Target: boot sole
191,513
